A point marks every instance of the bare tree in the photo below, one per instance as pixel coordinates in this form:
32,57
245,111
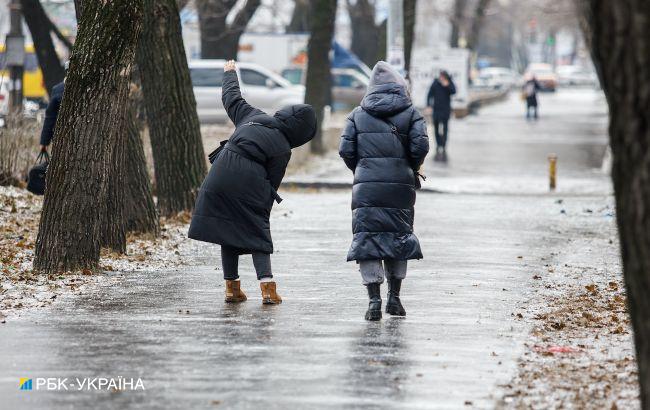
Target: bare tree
619,38
319,80
477,23
368,36
300,17
220,39
41,28
179,160
457,20
410,7
77,191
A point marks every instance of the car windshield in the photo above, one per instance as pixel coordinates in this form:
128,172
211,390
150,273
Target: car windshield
206,77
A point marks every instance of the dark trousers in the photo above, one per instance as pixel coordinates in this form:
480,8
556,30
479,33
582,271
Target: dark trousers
534,107
230,264
441,137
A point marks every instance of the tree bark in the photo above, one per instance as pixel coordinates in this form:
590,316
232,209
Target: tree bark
76,195
366,33
300,21
409,31
619,38
457,22
40,28
477,24
218,38
140,213
179,161
318,83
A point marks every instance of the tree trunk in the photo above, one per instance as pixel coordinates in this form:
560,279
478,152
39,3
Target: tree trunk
409,30
218,38
477,24
300,17
318,83
76,195
113,233
139,210
366,34
619,36
40,27
179,161
457,21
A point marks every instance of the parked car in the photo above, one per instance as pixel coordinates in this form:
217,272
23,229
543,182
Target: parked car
575,75
348,85
498,78
262,88
545,75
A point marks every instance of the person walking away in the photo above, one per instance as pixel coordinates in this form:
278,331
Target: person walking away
529,92
439,99
235,200
384,143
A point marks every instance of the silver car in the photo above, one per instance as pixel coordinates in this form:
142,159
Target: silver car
262,89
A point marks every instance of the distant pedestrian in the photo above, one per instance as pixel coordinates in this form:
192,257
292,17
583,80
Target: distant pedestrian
235,199
529,93
439,98
384,143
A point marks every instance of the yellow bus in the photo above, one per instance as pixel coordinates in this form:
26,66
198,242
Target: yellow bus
33,84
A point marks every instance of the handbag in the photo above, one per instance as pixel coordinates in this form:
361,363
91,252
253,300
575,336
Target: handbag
36,176
403,139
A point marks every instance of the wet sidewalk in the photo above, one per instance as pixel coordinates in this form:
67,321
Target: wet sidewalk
499,151
460,339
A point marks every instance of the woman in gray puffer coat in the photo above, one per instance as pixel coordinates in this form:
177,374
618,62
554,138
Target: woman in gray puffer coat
384,143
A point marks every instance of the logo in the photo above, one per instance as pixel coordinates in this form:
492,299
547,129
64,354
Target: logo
25,383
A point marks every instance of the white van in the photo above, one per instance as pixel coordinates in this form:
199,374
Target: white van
262,89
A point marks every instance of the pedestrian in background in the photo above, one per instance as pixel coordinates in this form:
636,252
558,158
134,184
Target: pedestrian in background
52,112
529,93
439,99
235,200
384,143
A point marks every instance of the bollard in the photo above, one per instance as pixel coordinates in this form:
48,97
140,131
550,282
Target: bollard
552,171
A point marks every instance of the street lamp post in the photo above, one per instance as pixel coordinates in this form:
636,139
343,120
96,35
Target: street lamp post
15,58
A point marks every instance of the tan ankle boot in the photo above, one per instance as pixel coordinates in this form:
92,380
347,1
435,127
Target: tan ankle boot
269,294
234,294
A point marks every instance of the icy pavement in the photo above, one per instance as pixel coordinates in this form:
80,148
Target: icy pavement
460,339
499,151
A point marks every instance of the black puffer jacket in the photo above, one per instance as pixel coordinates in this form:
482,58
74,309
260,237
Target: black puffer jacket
383,195
235,200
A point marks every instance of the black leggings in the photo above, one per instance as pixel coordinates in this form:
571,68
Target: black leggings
441,137
230,264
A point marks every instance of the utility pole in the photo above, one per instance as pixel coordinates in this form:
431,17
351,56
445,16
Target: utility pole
15,58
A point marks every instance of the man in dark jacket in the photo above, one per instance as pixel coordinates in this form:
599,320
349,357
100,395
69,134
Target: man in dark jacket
51,114
384,143
439,98
235,199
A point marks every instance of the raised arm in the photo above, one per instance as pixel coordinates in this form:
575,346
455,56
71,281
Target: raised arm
236,107
452,87
348,146
418,140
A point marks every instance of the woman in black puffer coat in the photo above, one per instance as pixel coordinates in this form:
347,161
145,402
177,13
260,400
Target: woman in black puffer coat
235,200
384,143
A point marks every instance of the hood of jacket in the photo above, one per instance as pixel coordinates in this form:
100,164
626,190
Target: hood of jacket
387,93
297,123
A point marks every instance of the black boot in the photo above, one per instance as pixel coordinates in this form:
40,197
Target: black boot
374,307
393,305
